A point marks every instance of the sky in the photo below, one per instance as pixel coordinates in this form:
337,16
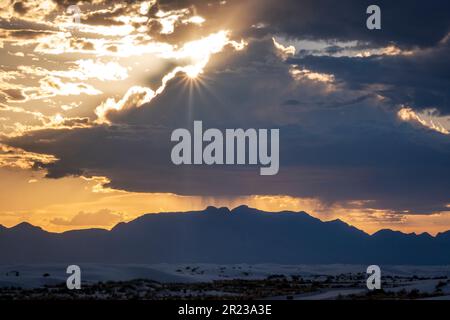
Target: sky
87,109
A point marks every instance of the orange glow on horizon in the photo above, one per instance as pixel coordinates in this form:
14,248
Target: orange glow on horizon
70,203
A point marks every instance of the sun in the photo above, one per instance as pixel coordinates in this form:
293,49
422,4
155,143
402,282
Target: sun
193,72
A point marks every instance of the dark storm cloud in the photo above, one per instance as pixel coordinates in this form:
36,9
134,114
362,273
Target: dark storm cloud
382,164
407,23
404,22
420,80
336,144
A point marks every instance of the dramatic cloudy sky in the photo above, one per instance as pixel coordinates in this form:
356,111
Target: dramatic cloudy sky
86,114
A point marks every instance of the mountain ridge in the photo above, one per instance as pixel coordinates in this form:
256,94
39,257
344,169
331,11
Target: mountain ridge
221,235
442,233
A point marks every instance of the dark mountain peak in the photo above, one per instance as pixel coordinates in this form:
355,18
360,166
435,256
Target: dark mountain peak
425,235
212,209
384,233
244,209
241,207
337,222
25,226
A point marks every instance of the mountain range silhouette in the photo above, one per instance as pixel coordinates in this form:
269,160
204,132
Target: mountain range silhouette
222,236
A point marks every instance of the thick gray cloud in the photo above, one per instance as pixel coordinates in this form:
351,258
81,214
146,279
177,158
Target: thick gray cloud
406,23
420,80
